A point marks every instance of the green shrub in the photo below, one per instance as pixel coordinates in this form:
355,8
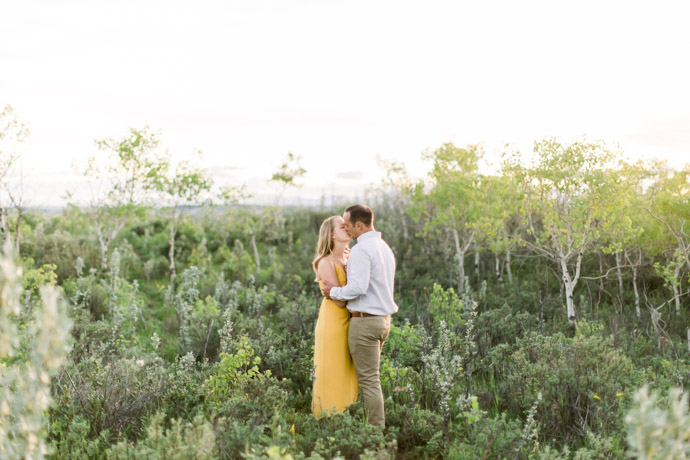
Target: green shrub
503,325
420,432
112,395
583,381
489,437
72,439
191,440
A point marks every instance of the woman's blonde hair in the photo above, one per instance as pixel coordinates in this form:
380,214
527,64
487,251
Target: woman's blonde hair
324,246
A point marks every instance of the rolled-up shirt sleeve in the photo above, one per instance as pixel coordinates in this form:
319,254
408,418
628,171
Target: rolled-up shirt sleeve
358,274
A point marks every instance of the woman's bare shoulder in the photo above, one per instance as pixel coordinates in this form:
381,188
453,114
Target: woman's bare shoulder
323,263
326,269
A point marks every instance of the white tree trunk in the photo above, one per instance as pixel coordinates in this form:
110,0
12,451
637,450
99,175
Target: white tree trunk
619,262
676,296
497,268
637,294
476,264
256,253
569,284
460,256
171,252
570,305
508,270
676,287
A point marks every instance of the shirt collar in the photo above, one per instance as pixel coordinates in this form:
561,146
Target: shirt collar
370,234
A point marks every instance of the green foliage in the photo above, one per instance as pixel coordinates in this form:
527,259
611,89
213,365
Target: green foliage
584,381
182,440
344,435
33,279
446,306
289,170
235,371
224,348
112,396
74,441
489,437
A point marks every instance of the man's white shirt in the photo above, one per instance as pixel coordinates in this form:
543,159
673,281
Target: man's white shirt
370,277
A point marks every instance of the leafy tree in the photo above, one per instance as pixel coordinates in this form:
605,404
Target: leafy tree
628,226
397,187
568,194
118,182
500,220
451,203
288,173
177,185
669,204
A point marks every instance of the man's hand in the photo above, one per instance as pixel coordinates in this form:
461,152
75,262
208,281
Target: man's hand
326,289
347,257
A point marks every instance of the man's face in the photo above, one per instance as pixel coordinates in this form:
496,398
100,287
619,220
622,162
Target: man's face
351,229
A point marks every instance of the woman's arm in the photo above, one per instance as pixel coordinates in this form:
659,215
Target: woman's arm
327,272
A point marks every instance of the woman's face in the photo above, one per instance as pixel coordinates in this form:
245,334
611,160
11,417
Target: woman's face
339,230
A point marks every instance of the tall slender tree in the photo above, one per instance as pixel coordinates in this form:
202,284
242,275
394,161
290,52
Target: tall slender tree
118,182
177,185
669,205
568,194
451,202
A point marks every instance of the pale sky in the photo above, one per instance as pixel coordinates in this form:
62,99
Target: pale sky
339,83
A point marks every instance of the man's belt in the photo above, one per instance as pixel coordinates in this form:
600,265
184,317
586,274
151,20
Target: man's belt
358,314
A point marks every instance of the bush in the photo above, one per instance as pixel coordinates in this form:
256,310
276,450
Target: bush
195,440
111,396
583,381
489,437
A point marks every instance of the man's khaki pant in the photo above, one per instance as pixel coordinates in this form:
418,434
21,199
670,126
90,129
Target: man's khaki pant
366,337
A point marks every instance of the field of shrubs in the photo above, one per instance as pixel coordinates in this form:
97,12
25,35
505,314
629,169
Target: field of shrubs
204,350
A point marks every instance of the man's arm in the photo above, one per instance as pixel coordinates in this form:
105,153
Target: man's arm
358,273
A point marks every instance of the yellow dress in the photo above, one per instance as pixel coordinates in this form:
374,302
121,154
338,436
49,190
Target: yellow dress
335,382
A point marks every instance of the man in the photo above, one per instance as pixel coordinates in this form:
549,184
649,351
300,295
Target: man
369,296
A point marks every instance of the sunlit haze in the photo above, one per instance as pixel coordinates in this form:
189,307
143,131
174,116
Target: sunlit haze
339,83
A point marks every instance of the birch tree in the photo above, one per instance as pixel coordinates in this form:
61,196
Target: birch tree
451,202
396,190
669,205
500,220
628,226
118,181
568,193
177,185
288,174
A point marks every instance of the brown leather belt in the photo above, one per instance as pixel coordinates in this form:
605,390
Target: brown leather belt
358,314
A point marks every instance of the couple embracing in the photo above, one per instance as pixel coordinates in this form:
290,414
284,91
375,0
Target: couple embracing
355,314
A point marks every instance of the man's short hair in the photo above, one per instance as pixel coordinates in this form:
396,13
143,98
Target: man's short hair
361,213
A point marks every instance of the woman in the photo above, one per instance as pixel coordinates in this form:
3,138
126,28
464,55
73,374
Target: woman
335,383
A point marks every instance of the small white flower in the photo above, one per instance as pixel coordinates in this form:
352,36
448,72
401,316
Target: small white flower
155,341
140,362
